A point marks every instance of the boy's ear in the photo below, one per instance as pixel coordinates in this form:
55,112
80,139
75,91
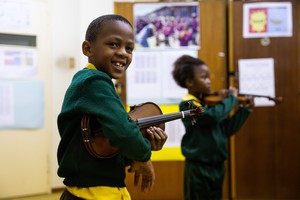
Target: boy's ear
86,48
189,83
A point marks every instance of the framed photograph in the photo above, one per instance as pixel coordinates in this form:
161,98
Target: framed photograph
166,25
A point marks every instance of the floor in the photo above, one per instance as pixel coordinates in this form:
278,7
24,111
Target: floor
54,196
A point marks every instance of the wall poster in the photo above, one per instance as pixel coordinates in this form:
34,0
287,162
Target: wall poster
267,20
18,62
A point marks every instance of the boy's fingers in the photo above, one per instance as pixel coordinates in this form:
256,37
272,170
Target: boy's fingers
147,183
136,178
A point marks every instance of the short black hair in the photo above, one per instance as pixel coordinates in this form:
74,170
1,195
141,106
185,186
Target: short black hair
184,69
96,26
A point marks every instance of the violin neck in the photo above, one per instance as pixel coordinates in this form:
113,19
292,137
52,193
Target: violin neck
254,95
275,99
159,119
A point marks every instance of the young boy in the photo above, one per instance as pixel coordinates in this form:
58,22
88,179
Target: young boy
109,43
204,144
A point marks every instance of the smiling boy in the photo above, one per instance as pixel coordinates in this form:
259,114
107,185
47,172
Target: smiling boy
109,45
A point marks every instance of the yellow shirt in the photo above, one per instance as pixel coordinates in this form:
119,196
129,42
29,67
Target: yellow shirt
100,193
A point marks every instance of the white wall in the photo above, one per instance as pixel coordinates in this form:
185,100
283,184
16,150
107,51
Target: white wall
65,44
28,157
24,154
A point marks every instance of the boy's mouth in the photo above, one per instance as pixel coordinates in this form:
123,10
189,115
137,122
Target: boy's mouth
118,65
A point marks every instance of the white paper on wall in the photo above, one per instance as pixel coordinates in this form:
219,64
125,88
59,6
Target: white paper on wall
256,77
15,15
149,77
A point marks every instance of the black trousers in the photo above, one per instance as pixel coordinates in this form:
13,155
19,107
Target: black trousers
66,195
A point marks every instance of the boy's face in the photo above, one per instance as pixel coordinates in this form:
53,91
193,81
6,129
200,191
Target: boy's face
111,52
201,83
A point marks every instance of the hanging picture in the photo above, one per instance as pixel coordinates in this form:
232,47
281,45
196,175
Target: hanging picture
166,25
267,20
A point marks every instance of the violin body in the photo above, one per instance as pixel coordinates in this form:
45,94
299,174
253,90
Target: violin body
147,109
98,144
95,142
145,115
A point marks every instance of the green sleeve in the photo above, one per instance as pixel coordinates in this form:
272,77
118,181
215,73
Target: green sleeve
237,120
212,114
99,98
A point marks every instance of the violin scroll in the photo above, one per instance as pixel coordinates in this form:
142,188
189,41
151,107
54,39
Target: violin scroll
276,99
197,111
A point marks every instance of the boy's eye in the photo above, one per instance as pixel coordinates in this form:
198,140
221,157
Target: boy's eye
114,45
129,49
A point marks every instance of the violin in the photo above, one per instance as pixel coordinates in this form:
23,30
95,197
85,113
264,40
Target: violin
145,115
243,99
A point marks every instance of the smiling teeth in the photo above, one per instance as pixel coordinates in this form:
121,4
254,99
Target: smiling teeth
118,64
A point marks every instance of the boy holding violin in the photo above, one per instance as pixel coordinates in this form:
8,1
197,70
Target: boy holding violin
108,45
204,144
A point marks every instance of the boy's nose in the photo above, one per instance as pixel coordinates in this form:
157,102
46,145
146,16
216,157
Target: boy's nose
121,52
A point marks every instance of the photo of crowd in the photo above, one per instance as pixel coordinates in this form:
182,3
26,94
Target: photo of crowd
170,25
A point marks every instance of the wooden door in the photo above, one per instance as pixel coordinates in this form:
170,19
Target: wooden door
214,52
266,156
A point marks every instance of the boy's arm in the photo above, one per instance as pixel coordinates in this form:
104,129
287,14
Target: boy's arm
237,120
239,117
212,114
99,98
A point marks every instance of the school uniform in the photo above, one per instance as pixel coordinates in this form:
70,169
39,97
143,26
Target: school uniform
204,146
92,92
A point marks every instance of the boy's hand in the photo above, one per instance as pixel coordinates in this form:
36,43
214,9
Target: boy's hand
250,102
147,171
157,137
232,90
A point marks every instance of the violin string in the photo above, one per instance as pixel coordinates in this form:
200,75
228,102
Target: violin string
155,120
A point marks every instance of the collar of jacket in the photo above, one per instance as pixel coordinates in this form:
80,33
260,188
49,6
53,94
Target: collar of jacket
188,97
90,66
195,100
